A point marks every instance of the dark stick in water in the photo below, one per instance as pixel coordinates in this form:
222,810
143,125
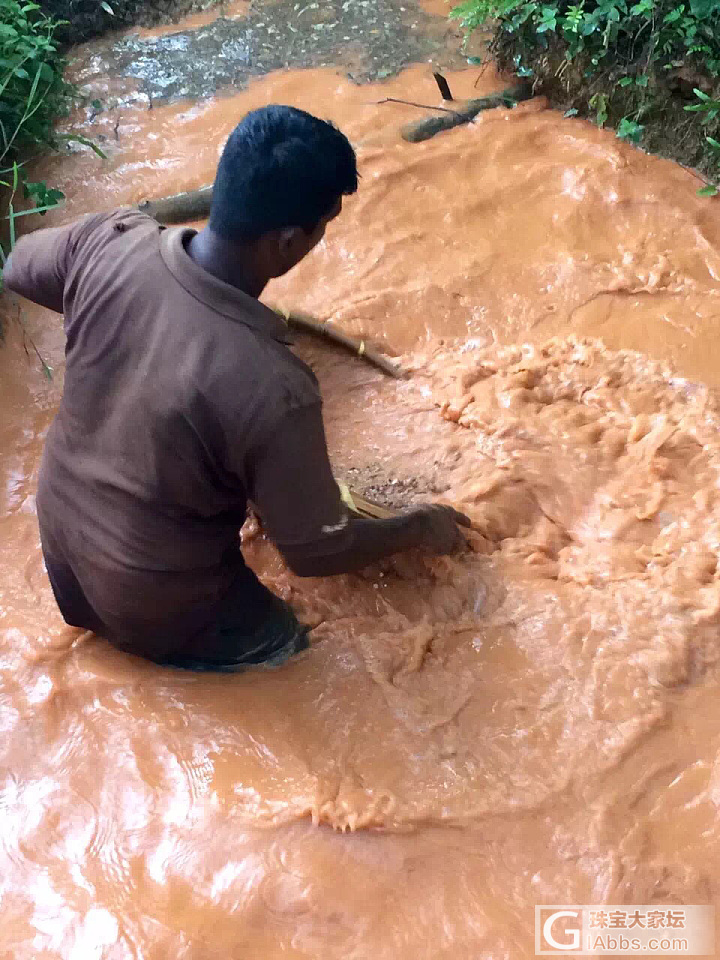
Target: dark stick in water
464,112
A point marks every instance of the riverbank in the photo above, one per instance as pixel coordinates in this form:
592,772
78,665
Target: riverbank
650,71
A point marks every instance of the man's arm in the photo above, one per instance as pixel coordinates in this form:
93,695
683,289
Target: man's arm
299,501
40,261
433,527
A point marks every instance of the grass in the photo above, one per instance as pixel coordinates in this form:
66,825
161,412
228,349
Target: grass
33,95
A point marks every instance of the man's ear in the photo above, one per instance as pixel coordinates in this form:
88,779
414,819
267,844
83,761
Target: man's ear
287,241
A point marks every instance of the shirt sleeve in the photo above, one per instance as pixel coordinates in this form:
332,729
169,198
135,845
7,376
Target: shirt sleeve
40,261
293,488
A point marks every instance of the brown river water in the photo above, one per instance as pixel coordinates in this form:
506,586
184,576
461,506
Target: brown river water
535,720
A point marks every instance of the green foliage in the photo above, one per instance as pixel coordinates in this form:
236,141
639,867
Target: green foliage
706,106
630,130
664,32
32,89
32,94
613,45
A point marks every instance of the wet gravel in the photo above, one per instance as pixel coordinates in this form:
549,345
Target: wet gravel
373,483
371,39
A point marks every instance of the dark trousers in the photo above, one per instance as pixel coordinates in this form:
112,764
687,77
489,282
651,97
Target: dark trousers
254,628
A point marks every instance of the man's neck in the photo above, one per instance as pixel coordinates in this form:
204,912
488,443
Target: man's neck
231,263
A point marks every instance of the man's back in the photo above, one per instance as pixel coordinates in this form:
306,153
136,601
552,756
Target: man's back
174,382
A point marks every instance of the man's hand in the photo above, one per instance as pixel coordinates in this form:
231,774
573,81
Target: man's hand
432,527
440,529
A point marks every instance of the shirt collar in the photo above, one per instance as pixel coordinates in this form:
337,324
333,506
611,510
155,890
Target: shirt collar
216,294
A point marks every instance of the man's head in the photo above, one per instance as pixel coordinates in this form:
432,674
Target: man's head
281,179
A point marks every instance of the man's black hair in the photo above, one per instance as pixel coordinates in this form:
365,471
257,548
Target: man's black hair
281,167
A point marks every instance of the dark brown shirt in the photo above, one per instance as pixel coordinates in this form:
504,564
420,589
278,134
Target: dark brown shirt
182,401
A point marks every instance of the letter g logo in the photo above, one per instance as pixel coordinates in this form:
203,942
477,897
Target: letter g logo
573,932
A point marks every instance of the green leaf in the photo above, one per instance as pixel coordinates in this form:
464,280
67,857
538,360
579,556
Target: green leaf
674,15
713,143
79,138
548,19
625,81
630,130
27,213
473,61
572,112
703,8
11,218
107,8
709,191
42,195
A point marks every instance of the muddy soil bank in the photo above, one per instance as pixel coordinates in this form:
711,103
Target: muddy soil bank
86,19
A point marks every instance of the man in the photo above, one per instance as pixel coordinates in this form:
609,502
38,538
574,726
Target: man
182,402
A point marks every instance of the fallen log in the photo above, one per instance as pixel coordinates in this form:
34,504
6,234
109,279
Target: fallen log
181,207
195,204
466,111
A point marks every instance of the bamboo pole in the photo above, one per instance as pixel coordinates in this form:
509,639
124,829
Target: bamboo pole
327,331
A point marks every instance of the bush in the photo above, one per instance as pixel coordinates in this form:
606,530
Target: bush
33,94
32,90
649,67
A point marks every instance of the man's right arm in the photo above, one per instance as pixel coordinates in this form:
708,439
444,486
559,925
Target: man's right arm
435,528
300,504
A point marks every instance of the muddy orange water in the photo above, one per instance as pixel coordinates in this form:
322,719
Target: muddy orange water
534,721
